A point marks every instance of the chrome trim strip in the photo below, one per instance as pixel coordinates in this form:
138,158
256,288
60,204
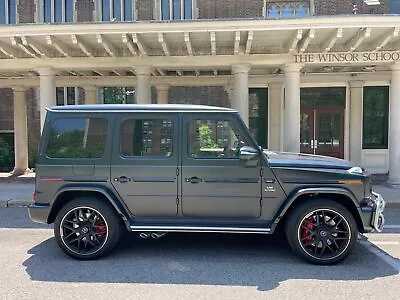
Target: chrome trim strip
200,229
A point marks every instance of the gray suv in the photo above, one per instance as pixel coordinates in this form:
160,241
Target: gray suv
153,169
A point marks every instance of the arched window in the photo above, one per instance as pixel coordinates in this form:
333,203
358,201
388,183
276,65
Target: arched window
273,11
302,10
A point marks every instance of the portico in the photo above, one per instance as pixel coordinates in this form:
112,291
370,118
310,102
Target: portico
282,56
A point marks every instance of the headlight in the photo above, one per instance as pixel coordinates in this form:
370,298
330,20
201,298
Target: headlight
356,171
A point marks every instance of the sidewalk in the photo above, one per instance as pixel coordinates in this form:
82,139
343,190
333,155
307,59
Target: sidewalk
17,191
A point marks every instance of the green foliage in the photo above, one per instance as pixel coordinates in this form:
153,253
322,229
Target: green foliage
6,156
205,135
32,158
117,95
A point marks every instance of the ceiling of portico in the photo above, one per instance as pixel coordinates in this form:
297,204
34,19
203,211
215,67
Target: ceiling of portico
196,48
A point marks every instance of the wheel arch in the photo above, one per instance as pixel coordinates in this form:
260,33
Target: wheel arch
69,193
341,196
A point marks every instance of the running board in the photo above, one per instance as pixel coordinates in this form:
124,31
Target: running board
200,229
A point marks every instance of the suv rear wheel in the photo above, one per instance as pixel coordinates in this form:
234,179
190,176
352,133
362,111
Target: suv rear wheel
87,228
321,231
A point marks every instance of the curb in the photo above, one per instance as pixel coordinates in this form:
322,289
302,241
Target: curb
14,203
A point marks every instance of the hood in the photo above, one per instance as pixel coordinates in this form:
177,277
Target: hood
297,160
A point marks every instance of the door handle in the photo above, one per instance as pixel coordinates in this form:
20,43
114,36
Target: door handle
193,179
122,179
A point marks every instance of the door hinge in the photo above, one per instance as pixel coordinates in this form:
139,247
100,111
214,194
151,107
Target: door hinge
177,201
177,171
261,172
261,202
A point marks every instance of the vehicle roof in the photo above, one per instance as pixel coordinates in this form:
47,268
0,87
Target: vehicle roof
137,107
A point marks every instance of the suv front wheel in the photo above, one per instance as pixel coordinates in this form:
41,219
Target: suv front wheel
321,231
87,228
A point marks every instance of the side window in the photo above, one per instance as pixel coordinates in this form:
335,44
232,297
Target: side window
214,139
146,138
77,138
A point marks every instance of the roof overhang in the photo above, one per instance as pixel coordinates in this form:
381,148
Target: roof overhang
202,47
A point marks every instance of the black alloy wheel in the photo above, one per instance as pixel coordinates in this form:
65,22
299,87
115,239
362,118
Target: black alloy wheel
87,228
321,231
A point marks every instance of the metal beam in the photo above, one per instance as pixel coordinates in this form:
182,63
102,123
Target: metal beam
358,39
188,43
58,45
249,42
9,51
163,44
107,45
382,41
332,39
292,45
15,41
126,39
306,41
237,43
137,40
213,41
88,50
39,49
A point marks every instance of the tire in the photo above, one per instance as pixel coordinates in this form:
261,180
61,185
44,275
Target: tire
321,231
87,228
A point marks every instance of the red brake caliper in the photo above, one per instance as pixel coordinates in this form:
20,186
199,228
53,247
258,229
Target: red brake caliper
305,233
100,227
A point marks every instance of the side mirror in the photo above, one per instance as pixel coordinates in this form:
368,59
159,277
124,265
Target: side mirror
248,153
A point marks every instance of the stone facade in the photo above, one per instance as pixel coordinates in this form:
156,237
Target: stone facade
26,11
84,10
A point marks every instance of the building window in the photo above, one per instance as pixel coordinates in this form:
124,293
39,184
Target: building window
66,96
117,10
375,117
8,11
286,9
58,11
176,9
117,95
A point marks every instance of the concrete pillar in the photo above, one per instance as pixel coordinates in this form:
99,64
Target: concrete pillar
90,94
162,94
20,132
143,87
240,99
394,144
356,107
47,92
291,120
275,116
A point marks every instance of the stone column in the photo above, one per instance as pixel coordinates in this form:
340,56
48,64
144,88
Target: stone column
47,92
291,120
143,87
394,144
20,132
240,99
275,116
90,94
162,94
356,107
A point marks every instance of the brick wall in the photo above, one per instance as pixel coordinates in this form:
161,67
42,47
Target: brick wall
144,9
84,9
203,95
213,9
338,7
26,10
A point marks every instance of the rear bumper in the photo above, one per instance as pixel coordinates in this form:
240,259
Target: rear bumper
372,214
39,212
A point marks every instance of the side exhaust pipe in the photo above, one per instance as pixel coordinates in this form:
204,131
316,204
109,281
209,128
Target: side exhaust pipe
157,235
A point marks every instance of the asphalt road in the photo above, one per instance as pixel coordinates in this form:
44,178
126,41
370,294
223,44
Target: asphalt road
189,266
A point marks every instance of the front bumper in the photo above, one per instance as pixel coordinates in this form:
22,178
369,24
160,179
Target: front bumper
378,220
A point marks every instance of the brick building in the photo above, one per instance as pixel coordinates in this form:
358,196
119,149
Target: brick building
258,56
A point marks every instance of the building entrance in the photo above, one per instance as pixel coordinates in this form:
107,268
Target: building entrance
322,121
